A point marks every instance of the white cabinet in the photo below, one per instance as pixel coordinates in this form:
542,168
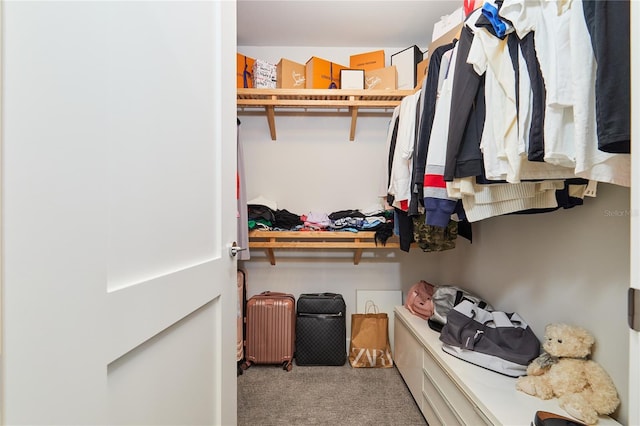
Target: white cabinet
450,391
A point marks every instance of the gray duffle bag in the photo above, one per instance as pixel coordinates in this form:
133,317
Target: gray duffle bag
445,297
495,340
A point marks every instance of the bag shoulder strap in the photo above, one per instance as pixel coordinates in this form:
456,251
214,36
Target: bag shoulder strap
460,297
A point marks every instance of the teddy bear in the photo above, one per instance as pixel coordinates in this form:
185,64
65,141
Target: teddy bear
563,370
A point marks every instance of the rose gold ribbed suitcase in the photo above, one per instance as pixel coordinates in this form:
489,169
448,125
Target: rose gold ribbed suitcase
270,329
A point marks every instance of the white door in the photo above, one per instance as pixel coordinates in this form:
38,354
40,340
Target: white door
118,207
634,336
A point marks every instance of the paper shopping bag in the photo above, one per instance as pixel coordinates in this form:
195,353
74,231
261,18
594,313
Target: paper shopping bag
369,345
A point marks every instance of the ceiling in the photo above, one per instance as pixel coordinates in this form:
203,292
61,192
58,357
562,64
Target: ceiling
348,23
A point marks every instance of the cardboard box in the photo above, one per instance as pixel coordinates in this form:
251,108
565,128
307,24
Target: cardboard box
322,74
446,38
367,61
351,79
448,22
244,67
381,79
290,75
406,62
264,75
423,67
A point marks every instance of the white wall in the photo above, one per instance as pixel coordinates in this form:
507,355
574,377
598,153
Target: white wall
569,265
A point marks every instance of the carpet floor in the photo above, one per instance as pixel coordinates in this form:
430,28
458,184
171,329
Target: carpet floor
271,396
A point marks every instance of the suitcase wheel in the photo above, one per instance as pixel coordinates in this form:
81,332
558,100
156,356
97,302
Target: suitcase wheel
287,366
245,365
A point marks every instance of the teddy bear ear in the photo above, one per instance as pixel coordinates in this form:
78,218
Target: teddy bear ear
587,338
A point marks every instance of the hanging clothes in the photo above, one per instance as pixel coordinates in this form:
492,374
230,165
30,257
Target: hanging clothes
609,29
431,86
515,124
508,111
390,144
439,206
466,122
568,65
241,196
401,168
535,150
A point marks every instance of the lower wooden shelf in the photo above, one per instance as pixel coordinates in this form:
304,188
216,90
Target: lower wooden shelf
357,241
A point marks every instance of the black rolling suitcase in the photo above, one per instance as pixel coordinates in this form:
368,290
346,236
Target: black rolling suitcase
321,336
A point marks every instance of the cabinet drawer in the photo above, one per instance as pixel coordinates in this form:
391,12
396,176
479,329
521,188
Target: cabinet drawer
430,415
464,411
434,402
408,359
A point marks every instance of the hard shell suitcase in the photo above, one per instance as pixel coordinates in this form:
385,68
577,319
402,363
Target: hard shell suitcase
270,329
321,337
242,301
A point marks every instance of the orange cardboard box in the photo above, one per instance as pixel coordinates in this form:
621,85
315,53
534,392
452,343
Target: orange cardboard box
322,74
244,64
446,38
290,75
381,79
367,61
423,67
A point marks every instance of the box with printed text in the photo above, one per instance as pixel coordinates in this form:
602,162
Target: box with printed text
264,75
381,79
244,68
290,75
322,74
367,61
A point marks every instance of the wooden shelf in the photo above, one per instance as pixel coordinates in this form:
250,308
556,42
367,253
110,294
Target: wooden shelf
352,100
358,241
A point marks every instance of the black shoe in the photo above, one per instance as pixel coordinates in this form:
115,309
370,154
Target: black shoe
545,418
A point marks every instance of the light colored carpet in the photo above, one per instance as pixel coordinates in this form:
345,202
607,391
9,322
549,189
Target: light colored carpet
270,396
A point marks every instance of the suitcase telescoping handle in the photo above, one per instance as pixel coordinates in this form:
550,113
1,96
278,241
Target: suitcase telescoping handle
274,293
327,294
267,295
306,314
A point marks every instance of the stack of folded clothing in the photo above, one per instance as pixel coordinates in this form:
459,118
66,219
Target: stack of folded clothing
268,217
316,221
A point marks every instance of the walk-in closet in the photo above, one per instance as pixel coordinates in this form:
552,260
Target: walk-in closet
119,249
569,265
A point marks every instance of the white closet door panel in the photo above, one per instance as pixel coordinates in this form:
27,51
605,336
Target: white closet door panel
634,336
118,201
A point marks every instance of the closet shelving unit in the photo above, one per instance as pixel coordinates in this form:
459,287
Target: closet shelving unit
332,101
270,240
